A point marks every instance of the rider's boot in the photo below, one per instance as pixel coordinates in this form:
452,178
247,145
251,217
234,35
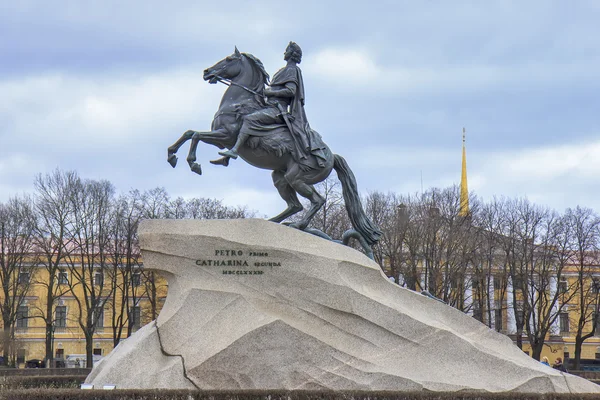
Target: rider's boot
229,153
233,152
224,161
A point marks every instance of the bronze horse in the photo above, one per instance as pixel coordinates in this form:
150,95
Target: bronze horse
247,77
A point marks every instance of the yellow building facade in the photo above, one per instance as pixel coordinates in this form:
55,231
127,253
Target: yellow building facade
69,339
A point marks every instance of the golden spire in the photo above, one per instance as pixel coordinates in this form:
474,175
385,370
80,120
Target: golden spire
464,190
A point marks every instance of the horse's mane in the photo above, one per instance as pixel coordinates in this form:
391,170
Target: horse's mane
260,67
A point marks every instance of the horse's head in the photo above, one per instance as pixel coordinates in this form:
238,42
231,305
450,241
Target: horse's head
227,68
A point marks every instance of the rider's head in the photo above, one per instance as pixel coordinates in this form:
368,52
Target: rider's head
293,52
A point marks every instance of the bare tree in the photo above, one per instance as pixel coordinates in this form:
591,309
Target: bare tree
155,203
541,297
88,264
416,212
391,215
585,224
126,263
177,209
204,208
458,244
54,217
17,266
489,272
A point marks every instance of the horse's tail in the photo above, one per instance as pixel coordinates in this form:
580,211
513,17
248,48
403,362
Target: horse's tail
358,217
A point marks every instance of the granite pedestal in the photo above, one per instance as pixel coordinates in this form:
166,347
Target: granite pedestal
257,305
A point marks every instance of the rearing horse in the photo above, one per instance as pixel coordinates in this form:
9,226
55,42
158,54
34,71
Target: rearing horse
247,78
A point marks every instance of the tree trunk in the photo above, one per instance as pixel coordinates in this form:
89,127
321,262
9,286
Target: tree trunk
520,338
89,347
578,346
49,327
536,349
154,300
6,344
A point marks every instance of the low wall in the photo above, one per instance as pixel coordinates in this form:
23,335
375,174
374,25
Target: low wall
43,371
76,394
592,375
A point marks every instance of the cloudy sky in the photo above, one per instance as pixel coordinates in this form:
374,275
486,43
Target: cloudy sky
104,87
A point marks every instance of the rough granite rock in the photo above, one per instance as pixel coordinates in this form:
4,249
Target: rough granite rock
258,305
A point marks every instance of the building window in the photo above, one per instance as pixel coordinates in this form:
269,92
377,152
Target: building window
517,282
563,287
497,282
564,323
98,319
60,353
99,279
596,286
97,352
23,278
63,278
136,279
457,280
22,314
136,317
21,356
60,317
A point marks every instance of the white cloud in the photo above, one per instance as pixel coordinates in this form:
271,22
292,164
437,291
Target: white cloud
77,93
110,128
556,176
579,161
85,112
343,65
352,69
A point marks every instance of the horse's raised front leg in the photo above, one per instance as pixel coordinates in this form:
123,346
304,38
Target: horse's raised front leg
171,157
191,158
288,194
216,138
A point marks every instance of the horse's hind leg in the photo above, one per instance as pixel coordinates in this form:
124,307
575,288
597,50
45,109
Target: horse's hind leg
288,194
171,157
307,191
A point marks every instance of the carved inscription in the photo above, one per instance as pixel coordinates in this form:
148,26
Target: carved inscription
255,260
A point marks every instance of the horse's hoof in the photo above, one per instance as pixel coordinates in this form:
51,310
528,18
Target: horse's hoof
297,225
172,159
196,168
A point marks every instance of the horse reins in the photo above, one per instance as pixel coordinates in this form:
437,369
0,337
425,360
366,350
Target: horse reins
229,82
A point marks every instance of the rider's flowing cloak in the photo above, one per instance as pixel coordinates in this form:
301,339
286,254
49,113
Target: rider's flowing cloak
312,143
309,142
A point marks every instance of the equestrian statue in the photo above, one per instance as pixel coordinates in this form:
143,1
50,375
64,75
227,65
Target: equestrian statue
267,127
